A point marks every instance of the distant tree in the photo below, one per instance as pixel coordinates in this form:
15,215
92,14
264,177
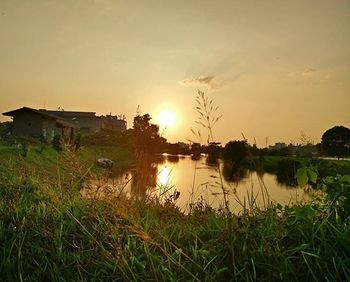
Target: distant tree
146,135
235,151
5,129
335,142
214,150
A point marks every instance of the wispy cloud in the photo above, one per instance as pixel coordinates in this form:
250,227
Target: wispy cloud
309,71
209,81
306,72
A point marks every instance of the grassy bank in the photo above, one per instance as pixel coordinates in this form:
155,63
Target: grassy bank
49,232
270,163
287,166
45,159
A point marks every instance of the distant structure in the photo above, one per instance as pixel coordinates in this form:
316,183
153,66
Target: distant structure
278,146
46,123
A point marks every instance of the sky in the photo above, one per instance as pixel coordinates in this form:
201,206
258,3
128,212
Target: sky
274,68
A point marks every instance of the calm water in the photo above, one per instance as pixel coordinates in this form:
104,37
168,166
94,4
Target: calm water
196,180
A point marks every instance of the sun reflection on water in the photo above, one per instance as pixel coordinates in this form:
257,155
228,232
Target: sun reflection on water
164,176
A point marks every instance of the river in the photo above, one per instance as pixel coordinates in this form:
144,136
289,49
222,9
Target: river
198,182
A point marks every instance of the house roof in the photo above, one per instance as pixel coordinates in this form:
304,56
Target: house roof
70,113
42,113
27,109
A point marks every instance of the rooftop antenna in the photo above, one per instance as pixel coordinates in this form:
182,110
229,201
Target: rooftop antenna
138,110
254,141
266,141
245,139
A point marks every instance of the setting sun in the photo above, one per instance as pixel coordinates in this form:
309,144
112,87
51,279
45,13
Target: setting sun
166,118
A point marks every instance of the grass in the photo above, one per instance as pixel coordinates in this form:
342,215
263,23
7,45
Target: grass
48,231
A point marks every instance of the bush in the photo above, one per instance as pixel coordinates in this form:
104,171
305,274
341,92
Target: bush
235,151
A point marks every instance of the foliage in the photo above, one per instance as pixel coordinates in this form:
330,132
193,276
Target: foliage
207,116
146,135
336,142
57,142
337,188
235,151
305,175
5,129
77,141
104,138
214,151
338,191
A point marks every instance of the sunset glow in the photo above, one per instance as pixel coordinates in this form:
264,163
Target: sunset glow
166,118
265,66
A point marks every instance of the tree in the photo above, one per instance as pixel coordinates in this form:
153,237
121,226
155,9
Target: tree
5,129
335,142
235,151
146,135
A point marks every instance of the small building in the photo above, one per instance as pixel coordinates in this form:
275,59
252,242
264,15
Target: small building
278,146
86,122
47,123
39,124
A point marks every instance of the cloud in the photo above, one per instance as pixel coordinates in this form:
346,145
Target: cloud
208,81
308,71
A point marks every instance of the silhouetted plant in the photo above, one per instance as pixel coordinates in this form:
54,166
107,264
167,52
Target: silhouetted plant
336,142
77,141
146,135
56,142
5,129
208,118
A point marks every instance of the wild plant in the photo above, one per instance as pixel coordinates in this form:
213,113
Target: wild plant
207,118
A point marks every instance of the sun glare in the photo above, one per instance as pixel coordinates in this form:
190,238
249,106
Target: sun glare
166,118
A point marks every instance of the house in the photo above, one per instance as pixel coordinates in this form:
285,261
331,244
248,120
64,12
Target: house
87,122
47,123
39,124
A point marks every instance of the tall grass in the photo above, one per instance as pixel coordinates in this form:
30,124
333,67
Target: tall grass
207,119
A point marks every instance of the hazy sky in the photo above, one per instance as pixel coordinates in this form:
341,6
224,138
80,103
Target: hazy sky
273,67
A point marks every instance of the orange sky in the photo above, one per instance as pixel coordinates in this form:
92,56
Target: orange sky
273,67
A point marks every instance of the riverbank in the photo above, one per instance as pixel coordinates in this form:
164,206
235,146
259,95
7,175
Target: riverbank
43,158
50,232
276,164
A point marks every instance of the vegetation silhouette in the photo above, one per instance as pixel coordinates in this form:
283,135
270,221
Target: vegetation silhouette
336,142
146,137
236,151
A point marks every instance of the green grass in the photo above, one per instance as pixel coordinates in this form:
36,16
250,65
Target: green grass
49,232
119,155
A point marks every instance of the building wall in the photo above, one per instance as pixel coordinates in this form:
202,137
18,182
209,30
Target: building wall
113,124
87,122
49,129
88,125
27,124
